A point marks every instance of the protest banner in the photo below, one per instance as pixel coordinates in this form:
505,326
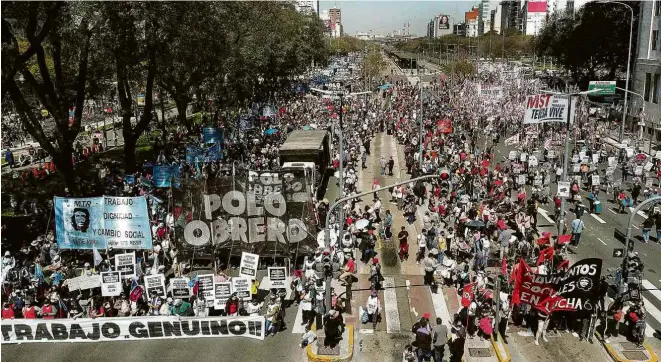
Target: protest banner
205,287
550,154
125,264
575,168
129,329
83,282
521,179
179,288
102,222
537,181
532,161
541,108
241,286
512,156
155,285
612,161
278,277
648,166
111,284
248,266
263,184
514,140
211,135
487,91
638,171
578,289
222,292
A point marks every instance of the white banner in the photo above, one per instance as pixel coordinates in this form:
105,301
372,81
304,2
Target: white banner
490,91
124,329
155,285
111,284
248,267
514,140
595,180
83,282
541,108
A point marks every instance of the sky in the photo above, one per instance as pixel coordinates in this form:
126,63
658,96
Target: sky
386,16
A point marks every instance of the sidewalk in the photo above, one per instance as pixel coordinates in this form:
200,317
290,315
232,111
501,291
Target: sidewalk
622,350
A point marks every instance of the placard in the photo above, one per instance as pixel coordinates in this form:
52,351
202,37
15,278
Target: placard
205,287
595,158
542,108
523,157
83,282
585,160
550,154
532,161
648,166
576,168
130,329
125,264
537,180
582,155
248,267
521,179
179,288
222,292
111,284
648,183
563,188
575,159
155,285
629,151
595,180
612,161
241,286
638,171
278,277
512,155
516,168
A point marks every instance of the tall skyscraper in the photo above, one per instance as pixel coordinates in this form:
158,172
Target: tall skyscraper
335,15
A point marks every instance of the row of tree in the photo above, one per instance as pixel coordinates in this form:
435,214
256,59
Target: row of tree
592,44
60,56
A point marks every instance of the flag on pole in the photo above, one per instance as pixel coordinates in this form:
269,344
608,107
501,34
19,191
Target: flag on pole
97,257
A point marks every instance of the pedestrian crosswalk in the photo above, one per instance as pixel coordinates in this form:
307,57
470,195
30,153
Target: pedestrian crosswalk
652,305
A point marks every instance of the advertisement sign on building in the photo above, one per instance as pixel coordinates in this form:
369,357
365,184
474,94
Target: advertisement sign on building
443,22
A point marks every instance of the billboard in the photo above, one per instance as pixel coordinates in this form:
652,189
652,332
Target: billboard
443,22
537,6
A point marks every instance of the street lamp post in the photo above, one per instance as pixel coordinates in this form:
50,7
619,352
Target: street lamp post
624,112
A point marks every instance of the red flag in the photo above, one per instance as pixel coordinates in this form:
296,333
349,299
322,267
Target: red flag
516,277
564,264
564,239
545,254
503,266
467,294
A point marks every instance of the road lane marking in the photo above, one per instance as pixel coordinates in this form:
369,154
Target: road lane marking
440,307
637,228
612,211
653,290
631,209
390,301
546,215
656,314
598,218
601,241
641,213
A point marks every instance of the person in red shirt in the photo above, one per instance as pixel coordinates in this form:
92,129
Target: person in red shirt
29,311
7,311
48,311
349,271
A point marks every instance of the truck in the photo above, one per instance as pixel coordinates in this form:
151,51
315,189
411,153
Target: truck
306,157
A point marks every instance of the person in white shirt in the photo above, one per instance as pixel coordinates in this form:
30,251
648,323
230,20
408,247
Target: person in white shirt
166,307
200,307
308,337
254,308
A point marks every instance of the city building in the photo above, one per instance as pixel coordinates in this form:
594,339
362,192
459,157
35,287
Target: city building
335,15
646,75
307,6
535,12
511,17
438,26
484,18
495,20
471,19
459,29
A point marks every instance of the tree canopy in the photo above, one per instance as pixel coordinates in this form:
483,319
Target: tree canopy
592,44
488,45
60,56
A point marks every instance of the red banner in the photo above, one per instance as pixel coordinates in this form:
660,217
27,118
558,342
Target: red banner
467,294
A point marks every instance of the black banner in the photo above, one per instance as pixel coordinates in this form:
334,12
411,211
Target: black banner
578,290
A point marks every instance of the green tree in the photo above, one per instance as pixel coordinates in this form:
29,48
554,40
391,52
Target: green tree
593,44
373,64
61,39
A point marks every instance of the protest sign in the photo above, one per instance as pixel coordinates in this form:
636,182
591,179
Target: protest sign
532,161
576,168
241,286
638,171
278,277
83,282
248,266
629,151
595,180
205,287
155,285
125,264
575,158
179,288
550,154
512,155
648,183
129,329
578,289
595,158
111,284
541,108
648,166
521,179
612,161
491,92
523,157
537,181
514,140
563,188
585,160
222,292
102,222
